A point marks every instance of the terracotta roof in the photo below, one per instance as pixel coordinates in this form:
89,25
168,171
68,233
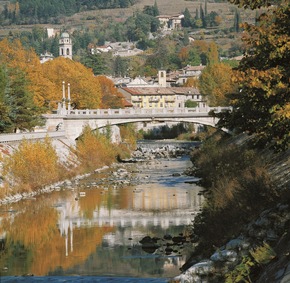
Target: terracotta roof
161,90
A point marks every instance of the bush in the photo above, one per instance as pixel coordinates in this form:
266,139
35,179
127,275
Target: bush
32,165
237,187
94,150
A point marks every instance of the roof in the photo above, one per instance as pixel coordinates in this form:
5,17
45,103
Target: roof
64,34
160,90
194,68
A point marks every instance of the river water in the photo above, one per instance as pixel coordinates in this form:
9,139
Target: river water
91,230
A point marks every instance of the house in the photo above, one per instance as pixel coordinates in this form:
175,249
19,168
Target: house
46,57
189,72
162,97
122,49
170,22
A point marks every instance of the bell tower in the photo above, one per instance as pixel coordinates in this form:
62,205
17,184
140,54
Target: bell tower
65,46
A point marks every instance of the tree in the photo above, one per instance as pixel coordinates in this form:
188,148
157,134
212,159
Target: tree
262,102
22,110
187,21
237,21
85,87
215,82
111,97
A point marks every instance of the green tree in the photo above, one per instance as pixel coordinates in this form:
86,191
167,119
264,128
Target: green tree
22,110
95,62
5,122
262,102
187,21
237,21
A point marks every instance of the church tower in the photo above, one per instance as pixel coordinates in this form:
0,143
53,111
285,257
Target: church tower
162,78
65,46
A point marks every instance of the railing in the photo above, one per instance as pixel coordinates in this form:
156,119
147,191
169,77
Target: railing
137,111
16,137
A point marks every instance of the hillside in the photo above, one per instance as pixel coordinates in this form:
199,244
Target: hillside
90,19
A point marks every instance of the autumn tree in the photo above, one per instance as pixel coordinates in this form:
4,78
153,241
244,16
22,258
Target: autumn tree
262,102
111,97
15,56
215,82
85,87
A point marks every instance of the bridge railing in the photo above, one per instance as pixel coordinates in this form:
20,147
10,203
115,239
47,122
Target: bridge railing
134,111
17,137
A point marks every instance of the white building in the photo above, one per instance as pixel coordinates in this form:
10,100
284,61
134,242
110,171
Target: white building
65,46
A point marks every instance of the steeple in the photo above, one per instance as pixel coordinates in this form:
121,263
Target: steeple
65,46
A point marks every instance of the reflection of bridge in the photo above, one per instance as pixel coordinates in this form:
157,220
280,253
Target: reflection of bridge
73,121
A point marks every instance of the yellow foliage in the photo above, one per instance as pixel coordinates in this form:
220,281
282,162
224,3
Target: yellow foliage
32,165
15,56
94,150
85,88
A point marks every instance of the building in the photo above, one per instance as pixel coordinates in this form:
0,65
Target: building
46,57
65,46
162,97
189,72
170,22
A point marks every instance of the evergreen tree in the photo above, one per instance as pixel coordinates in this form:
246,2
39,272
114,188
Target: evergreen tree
202,16
237,20
196,14
5,122
155,9
187,20
22,110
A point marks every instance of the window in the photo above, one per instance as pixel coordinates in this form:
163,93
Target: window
67,51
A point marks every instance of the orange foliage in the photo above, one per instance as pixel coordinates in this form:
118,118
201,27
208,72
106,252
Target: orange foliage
86,90
37,230
94,150
15,56
111,97
32,165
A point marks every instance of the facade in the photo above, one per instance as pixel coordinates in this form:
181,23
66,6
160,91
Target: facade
189,72
162,97
170,22
46,57
65,46
122,49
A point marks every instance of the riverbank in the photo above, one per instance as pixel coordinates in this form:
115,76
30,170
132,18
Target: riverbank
243,230
154,151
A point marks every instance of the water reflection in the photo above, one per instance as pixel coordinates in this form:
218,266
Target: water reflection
98,233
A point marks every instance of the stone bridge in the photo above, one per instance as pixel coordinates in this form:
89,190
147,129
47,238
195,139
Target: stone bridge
69,123
73,121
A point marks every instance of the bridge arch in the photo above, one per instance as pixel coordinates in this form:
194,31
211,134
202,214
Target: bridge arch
73,121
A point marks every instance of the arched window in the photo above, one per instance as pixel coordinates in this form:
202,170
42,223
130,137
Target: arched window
62,53
67,51
162,75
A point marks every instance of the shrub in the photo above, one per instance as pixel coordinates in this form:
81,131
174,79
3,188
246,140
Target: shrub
32,165
237,188
94,149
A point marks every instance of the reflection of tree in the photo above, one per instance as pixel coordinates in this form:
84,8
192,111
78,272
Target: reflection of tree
34,244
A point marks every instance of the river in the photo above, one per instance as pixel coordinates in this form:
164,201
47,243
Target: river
90,231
